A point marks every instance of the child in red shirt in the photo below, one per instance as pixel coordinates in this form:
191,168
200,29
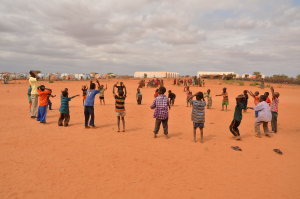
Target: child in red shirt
256,100
42,111
268,99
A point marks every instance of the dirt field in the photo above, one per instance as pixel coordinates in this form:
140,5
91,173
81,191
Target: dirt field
48,161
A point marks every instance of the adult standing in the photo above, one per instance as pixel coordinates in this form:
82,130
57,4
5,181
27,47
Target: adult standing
34,94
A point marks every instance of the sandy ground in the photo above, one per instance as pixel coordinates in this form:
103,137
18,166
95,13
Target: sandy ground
48,161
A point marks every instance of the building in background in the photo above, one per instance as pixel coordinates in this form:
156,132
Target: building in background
156,74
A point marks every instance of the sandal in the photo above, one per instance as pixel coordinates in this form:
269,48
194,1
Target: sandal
236,148
278,151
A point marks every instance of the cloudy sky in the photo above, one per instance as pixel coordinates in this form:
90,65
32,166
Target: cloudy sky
122,37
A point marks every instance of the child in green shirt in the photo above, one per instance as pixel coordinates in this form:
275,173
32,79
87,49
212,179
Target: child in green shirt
237,118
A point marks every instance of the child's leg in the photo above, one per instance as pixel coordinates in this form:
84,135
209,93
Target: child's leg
201,131
67,119
50,104
226,107
274,121
92,116
60,120
44,113
100,101
222,107
103,101
256,113
123,120
83,102
87,116
233,128
194,133
165,126
157,126
266,129
118,119
257,128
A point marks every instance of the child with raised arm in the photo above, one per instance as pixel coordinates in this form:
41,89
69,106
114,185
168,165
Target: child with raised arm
101,95
42,111
268,99
89,104
161,104
245,102
172,97
264,116
198,113
84,90
209,99
225,99
188,95
256,99
64,109
121,87
49,103
237,117
139,96
274,109
120,106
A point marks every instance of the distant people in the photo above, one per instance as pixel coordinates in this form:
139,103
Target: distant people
245,102
64,117
262,84
198,113
29,96
49,103
139,96
89,105
120,106
84,90
42,111
101,94
175,82
161,113
34,93
225,101
203,83
188,95
274,109
264,116
256,100
209,99
172,97
237,117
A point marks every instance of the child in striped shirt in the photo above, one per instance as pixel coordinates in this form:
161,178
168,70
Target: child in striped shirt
225,99
120,106
274,109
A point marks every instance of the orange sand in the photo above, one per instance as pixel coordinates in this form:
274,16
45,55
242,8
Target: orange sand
48,161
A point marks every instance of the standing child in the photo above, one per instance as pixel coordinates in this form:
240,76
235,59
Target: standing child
237,117
89,104
245,102
29,96
101,95
49,103
156,93
172,97
268,99
198,113
188,95
225,99
203,83
161,104
274,109
209,99
42,111
64,109
84,90
264,116
256,100
120,107
139,96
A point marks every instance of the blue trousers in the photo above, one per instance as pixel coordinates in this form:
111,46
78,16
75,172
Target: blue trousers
42,112
89,111
256,113
49,104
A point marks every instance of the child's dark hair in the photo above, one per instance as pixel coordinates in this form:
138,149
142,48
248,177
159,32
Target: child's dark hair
199,96
162,89
267,93
263,97
245,91
42,87
170,91
92,86
121,93
65,93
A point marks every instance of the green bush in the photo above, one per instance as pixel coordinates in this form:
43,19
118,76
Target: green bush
241,83
51,81
254,84
268,86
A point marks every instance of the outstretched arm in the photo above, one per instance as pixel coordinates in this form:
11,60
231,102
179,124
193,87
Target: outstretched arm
74,96
106,86
98,83
125,91
114,90
251,94
219,95
272,90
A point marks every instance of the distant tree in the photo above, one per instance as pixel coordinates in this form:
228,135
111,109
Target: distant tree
37,71
187,76
282,76
298,76
94,73
109,73
257,74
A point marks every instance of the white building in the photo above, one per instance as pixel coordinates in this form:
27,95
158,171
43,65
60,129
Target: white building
201,73
156,74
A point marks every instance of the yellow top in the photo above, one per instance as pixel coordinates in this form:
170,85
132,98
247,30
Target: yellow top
34,84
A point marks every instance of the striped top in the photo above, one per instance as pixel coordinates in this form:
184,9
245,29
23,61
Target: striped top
198,111
225,97
120,103
274,105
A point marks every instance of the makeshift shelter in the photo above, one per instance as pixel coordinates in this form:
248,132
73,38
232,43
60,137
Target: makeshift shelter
41,75
156,74
88,76
80,76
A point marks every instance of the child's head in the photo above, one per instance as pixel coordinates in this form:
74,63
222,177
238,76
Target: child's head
42,87
266,94
101,87
256,93
199,96
121,93
208,90
121,83
262,98
92,86
240,98
65,93
156,90
276,94
245,92
162,90
66,89
224,90
84,86
187,87
138,90
170,91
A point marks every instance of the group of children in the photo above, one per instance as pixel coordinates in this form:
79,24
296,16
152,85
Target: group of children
194,81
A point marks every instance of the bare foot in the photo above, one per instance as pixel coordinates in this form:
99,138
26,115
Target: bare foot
222,110
194,140
201,141
167,137
94,127
87,127
119,130
257,135
123,130
237,138
155,135
268,135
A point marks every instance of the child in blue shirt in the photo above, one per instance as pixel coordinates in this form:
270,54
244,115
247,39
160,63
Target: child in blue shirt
64,109
89,104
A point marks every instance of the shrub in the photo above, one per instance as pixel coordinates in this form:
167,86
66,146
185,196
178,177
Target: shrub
254,84
51,81
241,83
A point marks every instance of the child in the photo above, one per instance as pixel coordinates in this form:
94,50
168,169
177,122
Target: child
188,95
209,99
256,100
84,90
42,111
101,95
172,97
29,95
237,117
49,103
120,106
139,97
274,109
198,113
121,87
262,84
161,104
89,104
245,102
225,99
264,116
156,93
268,99
66,89
64,109
203,83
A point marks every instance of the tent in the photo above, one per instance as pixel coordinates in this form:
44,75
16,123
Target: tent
80,76
41,75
